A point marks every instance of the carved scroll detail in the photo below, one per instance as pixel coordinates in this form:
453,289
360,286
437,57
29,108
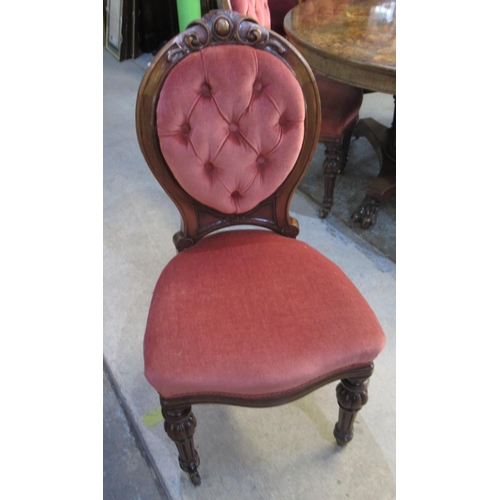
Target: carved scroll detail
222,27
182,242
290,231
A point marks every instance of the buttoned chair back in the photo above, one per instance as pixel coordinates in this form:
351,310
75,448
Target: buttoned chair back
228,117
231,132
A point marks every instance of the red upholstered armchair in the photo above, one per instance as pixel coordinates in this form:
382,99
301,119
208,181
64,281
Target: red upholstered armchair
228,118
340,103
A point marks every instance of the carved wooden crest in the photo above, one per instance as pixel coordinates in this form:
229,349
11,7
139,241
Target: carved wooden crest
220,26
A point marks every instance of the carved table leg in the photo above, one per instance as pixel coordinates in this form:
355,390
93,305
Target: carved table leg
384,186
180,425
366,213
352,394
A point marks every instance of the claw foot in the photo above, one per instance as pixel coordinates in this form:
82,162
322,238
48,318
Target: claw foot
366,213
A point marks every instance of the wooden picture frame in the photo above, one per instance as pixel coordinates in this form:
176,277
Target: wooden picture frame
120,30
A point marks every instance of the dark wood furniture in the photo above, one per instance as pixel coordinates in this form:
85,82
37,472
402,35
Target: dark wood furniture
354,42
230,31
120,28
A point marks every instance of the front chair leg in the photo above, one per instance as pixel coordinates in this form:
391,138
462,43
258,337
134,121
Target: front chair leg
180,424
352,394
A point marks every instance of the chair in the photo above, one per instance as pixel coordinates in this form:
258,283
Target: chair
228,118
340,103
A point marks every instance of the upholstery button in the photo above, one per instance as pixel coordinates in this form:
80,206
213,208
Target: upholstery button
283,121
261,160
257,86
206,90
233,127
185,128
235,195
209,166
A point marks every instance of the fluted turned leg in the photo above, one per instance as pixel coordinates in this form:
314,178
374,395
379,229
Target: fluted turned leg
332,166
180,424
352,394
336,156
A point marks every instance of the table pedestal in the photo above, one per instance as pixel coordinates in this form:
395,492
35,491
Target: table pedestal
383,188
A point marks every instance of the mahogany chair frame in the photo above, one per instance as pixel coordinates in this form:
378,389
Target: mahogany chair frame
216,28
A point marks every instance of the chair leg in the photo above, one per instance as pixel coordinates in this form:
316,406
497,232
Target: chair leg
352,394
180,424
336,156
332,166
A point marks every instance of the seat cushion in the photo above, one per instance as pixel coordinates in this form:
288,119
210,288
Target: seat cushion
340,104
252,313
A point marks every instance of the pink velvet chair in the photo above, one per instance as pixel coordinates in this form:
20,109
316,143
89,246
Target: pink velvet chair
340,103
228,118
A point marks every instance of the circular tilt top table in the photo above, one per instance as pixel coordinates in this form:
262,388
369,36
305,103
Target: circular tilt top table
354,42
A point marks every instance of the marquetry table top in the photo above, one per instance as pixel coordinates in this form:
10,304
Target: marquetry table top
352,41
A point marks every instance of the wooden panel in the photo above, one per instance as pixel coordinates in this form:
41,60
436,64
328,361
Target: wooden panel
120,31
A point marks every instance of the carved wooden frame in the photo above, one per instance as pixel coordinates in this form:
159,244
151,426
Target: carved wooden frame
220,27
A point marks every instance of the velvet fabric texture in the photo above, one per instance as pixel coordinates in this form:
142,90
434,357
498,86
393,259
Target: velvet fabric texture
257,9
278,10
230,132
340,104
251,313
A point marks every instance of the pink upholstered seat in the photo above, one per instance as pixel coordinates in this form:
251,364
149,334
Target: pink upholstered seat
222,320
340,105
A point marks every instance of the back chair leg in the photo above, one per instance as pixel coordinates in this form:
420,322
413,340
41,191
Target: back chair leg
352,394
336,157
180,424
332,166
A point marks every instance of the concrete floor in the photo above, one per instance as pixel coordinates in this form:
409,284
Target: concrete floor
286,452
128,472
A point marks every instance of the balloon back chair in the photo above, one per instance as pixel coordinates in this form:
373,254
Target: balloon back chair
228,117
340,103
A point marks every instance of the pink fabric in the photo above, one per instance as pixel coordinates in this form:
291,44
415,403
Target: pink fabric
251,312
279,9
340,105
230,122
258,9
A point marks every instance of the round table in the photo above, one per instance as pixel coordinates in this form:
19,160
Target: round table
354,42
